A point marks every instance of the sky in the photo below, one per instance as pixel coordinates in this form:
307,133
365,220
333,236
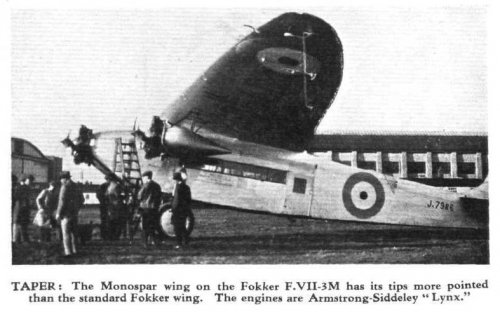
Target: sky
411,69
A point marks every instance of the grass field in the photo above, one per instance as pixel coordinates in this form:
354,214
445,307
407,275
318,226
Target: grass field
229,236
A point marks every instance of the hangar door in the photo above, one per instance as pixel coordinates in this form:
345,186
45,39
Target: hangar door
299,195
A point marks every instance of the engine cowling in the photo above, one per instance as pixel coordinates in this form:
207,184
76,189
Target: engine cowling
176,141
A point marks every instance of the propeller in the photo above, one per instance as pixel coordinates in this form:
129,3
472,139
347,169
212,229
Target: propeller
67,142
111,134
138,133
165,139
81,150
153,144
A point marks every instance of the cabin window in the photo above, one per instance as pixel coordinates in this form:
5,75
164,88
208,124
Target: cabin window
250,174
299,185
242,170
213,168
276,176
233,169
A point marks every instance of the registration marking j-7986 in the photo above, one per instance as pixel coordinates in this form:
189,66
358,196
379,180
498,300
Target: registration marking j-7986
436,204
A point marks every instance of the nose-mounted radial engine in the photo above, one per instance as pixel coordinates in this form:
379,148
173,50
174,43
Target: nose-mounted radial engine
80,148
164,140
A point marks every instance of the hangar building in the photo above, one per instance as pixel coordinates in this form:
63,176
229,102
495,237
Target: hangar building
28,159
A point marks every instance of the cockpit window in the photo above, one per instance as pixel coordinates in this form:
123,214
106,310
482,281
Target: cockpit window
299,185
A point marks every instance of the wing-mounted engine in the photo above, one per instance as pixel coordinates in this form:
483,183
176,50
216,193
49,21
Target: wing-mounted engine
164,140
167,140
152,144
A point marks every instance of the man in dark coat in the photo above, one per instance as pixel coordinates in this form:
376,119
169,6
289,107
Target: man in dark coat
103,207
13,191
149,202
181,209
116,209
22,210
70,201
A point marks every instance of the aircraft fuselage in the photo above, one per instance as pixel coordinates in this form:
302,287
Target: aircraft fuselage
266,179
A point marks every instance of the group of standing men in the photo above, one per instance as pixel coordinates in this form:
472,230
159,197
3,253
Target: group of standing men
21,208
150,204
54,206
114,212
61,205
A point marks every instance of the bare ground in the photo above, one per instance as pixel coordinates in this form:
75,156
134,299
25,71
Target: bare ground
228,236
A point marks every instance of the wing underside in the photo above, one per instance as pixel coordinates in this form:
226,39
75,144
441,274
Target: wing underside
272,88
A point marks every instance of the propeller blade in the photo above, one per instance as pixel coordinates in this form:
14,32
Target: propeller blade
112,134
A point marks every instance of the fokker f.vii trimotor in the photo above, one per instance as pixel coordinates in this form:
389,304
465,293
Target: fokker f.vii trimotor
240,131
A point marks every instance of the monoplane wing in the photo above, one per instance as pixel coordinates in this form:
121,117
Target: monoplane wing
272,88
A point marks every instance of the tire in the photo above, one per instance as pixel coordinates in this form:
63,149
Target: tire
167,226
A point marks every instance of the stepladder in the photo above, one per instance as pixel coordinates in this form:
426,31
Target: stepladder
126,166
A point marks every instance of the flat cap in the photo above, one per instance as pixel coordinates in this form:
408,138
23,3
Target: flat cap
177,176
64,175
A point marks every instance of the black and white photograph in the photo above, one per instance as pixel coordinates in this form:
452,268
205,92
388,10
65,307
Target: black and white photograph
254,156
226,135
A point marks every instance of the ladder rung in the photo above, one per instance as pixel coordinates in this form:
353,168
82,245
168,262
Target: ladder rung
125,158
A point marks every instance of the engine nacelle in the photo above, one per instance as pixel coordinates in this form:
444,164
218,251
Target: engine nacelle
176,141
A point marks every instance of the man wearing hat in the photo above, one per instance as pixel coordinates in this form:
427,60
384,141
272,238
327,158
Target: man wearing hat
22,209
181,209
47,203
70,201
103,207
149,198
116,209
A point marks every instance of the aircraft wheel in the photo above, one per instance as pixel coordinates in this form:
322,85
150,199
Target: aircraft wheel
168,227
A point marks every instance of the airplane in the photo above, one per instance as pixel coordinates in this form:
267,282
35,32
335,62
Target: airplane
240,132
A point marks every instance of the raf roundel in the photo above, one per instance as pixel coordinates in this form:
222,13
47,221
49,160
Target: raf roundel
363,195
